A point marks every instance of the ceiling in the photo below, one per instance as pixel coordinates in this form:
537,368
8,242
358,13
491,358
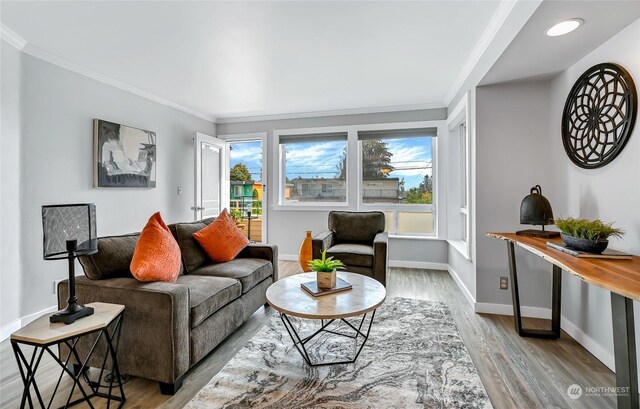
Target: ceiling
532,54
234,59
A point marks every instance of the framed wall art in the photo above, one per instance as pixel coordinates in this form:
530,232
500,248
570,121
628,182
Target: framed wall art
124,157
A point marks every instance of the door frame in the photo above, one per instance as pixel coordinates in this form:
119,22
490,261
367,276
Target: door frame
245,137
224,179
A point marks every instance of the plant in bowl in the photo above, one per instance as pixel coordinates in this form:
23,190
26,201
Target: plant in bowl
325,269
590,236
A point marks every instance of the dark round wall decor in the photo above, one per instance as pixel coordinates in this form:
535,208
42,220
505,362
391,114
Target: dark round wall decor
599,115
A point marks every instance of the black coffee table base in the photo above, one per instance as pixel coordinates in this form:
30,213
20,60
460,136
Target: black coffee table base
300,343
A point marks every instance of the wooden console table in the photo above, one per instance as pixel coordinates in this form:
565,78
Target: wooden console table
620,277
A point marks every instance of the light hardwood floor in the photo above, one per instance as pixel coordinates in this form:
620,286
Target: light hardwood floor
517,372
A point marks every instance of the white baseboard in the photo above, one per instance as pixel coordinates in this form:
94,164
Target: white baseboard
507,309
467,294
392,263
588,343
418,264
288,257
10,328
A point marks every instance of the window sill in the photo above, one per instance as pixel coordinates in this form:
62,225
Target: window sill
402,237
311,206
461,247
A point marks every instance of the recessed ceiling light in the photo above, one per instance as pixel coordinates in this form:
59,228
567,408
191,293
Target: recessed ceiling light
564,27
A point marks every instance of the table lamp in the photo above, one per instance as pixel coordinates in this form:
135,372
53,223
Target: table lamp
535,209
69,231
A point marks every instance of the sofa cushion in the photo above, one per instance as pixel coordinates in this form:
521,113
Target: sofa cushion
352,254
193,256
356,227
222,239
112,259
249,271
157,255
208,294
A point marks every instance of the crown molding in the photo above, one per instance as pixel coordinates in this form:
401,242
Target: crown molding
316,114
489,33
12,38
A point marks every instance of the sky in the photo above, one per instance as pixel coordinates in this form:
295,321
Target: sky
308,159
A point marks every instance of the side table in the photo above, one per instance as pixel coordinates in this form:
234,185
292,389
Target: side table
42,335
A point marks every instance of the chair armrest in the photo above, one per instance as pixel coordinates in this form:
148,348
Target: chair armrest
322,242
380,255
262,251
154,342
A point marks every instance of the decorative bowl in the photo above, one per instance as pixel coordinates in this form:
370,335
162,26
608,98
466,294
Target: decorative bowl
586,245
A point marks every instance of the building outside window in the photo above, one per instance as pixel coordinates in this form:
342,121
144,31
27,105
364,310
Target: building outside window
313,168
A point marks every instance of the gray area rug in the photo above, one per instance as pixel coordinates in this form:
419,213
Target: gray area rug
414,358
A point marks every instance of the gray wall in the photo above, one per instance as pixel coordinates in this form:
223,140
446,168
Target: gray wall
57,163
11,78
512,155
287,228
611,193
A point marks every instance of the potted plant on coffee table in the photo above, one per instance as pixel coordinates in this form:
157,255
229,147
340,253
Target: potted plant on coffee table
590,236
325,269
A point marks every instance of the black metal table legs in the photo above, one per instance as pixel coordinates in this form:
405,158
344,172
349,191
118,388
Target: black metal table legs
554,333
624,347
29,367
300,343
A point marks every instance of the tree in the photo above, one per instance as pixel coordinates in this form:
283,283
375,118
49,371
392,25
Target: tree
427,184
375,157
240,173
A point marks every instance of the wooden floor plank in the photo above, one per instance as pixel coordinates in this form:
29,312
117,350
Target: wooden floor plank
517,372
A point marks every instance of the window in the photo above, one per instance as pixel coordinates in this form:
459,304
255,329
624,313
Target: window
397,177
237,191
313,168
458,189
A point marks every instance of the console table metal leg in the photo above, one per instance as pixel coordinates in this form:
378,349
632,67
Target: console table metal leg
624,346
554,333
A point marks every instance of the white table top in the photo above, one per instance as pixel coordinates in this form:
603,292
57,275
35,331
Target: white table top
287,297
43,332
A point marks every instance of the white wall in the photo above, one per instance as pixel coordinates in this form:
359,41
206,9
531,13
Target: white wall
57,163
611,193
512,155
11,79
287,228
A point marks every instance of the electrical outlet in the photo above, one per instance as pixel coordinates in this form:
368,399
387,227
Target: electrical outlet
179,190
504,283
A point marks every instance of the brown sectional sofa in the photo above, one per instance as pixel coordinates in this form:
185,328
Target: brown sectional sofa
167,328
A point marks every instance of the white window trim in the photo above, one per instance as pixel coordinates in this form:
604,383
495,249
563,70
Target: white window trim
459,115
354,178
280,177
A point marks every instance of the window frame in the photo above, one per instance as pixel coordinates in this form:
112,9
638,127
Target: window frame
458,126
353,181
280,170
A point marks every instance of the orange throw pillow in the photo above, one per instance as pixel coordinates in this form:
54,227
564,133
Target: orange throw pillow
157,255
222,240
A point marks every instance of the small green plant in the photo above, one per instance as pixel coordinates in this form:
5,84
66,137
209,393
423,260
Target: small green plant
236,215
325,264
588,229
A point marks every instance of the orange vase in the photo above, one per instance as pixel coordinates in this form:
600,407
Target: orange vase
306,253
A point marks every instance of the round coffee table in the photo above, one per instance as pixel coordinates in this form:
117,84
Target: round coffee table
290,300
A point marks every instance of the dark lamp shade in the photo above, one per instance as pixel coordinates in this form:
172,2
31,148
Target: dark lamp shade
65,223
535,209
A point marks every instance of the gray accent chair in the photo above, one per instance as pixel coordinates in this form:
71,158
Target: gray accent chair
169,327
357,239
